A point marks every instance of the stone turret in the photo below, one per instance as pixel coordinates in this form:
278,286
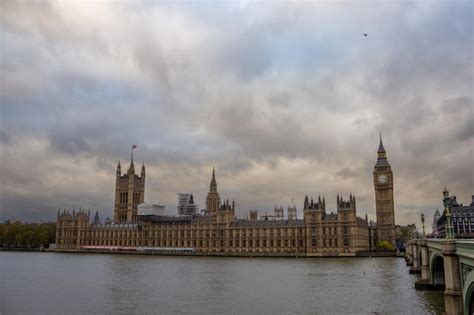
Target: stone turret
129,193
346,209
320,204
226,213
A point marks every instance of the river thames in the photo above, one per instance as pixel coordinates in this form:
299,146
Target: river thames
91,283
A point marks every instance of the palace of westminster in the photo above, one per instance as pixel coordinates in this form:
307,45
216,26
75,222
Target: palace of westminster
218,231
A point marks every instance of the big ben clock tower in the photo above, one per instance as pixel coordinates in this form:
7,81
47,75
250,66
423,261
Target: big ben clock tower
384,206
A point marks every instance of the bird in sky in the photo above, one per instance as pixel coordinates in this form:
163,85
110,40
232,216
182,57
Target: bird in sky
365,34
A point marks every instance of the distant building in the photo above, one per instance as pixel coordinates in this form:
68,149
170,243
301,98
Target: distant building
406,233
462,218
372,234
253,215
186,204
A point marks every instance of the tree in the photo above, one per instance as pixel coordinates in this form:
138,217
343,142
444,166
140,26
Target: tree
385,246
17,234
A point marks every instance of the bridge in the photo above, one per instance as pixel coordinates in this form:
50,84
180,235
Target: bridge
445,264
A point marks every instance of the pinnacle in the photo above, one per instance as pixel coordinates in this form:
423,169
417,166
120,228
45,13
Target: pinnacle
381,148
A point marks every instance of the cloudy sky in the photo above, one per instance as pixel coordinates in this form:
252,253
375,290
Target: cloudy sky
283,98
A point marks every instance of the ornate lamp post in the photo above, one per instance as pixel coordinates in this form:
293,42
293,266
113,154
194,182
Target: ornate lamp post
449,226
423,224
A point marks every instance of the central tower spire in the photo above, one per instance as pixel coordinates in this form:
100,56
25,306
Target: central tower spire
213,200
213,185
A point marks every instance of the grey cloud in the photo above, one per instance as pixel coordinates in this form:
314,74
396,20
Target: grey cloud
347,172
285,93
463,104
5,137
466,130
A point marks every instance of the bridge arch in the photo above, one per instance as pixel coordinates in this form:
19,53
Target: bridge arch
468,294
437,270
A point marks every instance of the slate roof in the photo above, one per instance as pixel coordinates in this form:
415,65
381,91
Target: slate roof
457,211
381,148
165,219
382,163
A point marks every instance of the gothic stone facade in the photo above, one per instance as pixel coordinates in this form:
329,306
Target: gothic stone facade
317,234
218,231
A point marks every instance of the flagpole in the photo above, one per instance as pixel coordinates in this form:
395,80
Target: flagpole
134,146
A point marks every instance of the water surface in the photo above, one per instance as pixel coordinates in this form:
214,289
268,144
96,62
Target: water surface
89,283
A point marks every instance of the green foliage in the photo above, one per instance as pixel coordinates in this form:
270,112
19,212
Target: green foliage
27,235
385,246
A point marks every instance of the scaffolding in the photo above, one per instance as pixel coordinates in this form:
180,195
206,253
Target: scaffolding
279,212
292,213
186,204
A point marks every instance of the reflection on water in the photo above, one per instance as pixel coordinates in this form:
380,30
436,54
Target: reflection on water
59,283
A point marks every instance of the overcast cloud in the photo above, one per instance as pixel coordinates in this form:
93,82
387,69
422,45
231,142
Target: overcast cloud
284,99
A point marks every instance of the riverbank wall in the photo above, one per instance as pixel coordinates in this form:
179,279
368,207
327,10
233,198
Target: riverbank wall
264,255
198,254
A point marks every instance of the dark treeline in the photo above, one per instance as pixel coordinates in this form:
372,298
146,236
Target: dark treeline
27,235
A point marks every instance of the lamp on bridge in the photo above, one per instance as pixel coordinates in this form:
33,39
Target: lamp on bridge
423,224
449,226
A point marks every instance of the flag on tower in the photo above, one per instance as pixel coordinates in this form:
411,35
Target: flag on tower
134,146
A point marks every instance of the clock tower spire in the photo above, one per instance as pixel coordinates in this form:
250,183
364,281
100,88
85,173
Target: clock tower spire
381,152
384,203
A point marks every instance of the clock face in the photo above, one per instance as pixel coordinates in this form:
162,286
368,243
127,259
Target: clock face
382,179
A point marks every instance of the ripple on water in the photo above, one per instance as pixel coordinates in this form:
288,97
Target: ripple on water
58,283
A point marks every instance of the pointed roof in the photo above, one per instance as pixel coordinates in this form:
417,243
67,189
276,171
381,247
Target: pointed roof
381,156
381,148
213,185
